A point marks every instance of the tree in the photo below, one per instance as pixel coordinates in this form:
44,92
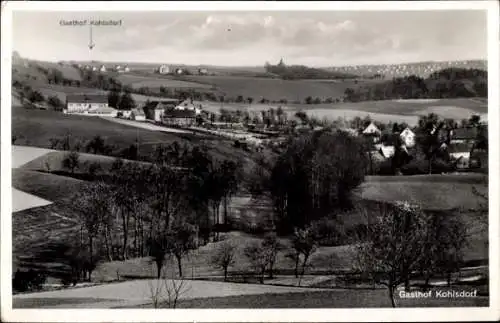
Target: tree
127,102
304,243
271,247
92,204
158,250
224,257
96,145
55,103
114,97
258,258
180,240
308,100
35,97
474,121
71,161
250,100
393,251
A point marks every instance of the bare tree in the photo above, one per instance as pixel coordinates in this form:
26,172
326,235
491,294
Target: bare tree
305,244
396,238
271,246
257,256
167,291
224,257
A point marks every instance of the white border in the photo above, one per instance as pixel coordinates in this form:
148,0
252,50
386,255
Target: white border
290,315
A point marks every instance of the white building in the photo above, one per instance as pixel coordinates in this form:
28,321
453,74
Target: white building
188,105
102,68
372,129
408,137
164,69
126,69
88,104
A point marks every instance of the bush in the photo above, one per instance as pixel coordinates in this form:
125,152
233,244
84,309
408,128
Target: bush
327,232
421,166
28,281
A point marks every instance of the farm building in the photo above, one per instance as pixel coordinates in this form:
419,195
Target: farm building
85,103
181,118
408,137
188,105
372,131
164,69
102,68
463,135
460,154
202,71
138,115
154,110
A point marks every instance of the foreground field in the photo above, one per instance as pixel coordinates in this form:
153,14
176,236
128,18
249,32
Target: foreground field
199,294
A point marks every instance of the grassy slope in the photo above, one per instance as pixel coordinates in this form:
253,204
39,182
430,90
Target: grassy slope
37,228
36,128
62,91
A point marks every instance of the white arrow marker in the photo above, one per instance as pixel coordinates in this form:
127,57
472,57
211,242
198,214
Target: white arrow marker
91,43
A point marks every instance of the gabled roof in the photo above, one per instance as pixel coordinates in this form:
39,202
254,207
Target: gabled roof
86,98
372,128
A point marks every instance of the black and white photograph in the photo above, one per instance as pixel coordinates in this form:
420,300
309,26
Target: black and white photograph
249,155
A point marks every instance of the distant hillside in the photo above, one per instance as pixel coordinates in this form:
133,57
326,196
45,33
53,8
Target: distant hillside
298,72
422,69
447,83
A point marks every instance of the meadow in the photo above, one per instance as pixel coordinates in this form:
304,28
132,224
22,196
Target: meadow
155,82
407,111
69,72
273,89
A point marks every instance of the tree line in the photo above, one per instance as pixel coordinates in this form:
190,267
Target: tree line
447,83
168,207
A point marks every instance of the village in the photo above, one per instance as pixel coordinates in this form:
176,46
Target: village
269,128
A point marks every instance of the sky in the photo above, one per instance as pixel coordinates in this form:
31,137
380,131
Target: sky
246,38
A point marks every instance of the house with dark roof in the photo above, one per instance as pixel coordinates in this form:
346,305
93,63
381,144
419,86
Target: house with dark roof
154,110
463,135
87,103
179,118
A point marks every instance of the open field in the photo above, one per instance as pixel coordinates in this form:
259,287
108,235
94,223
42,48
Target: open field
36,128
274,89
22,201
23,154
154,81
390,110
433,193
